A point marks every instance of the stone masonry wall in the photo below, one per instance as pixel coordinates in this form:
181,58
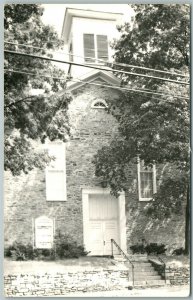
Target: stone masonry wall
64,283
178,275
25,195
173,273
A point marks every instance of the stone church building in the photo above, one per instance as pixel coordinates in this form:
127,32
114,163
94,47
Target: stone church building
67,196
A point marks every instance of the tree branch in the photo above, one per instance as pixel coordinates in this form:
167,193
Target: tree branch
21,100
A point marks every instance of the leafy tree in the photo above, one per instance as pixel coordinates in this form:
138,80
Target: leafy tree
156,128
30,117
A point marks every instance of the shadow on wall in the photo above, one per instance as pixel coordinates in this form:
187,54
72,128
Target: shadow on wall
140,226
169,232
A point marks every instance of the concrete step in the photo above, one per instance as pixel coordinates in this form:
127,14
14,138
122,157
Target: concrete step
142,264
146,272
120,259
136,257
146,278
142,283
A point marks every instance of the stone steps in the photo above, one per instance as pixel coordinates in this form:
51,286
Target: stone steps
144,272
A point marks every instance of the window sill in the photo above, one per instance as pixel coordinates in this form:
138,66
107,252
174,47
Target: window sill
48,200
145,199
95,63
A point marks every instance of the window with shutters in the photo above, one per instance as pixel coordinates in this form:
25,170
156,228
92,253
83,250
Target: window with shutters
95,48
146,181
56,173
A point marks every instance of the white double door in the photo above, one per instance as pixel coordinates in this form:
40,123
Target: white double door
103,224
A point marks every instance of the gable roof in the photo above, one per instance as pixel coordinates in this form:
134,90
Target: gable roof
107,77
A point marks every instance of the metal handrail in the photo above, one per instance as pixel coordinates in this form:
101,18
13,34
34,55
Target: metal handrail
123,253
162,261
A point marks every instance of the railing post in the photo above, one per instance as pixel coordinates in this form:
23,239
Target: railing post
165,272
112,248
133,275
161,260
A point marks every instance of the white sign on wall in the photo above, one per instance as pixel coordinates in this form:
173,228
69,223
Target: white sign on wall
44,233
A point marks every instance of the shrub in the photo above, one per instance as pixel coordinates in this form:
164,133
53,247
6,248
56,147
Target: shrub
138,248
44,254
66,247
179,251
18,251
152,248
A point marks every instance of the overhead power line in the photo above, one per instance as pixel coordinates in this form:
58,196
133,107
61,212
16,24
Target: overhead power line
149,92
103,61
94,67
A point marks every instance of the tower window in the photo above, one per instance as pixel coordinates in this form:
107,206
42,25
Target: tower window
95,47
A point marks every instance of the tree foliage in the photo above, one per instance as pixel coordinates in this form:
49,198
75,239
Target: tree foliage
31,116
157,128
158,37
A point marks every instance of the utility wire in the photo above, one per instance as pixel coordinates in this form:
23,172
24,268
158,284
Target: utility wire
101,60
98,84
62,79
130,90
93,67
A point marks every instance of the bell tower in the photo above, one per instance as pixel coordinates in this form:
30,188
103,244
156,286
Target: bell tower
87,35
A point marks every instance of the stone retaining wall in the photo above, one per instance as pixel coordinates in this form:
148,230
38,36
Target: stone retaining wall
64,283
178,275
175,275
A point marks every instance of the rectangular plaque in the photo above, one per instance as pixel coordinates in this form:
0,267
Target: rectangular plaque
44,233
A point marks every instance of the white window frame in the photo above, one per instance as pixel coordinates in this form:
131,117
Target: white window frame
99,107
61,168
139,181
96,59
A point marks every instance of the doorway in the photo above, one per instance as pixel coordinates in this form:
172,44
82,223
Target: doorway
103,220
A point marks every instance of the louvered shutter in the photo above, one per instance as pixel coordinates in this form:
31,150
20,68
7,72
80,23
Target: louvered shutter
89,47
102,47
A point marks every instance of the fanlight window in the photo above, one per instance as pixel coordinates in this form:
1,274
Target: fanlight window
99,104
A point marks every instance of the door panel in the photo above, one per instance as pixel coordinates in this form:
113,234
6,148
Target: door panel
95,244
110,232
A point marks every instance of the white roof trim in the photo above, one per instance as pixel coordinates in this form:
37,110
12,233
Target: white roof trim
110,79
91,14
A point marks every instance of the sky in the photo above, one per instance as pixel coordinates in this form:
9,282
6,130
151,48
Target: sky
54,13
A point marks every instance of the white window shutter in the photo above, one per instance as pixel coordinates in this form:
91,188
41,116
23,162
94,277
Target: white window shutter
89,47
56,173
102,47
55,185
